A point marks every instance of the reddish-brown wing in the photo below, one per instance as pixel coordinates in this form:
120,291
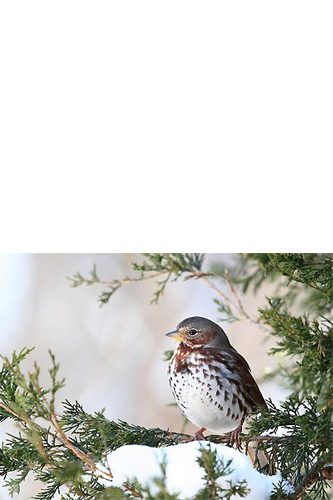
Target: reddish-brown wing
249,385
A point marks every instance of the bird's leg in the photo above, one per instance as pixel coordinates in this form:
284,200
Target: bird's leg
198,436
235,436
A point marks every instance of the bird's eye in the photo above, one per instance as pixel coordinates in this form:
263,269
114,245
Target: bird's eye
192,332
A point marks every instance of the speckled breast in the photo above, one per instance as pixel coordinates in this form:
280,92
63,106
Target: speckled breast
207,390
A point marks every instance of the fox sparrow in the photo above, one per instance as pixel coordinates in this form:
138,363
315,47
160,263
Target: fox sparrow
210,380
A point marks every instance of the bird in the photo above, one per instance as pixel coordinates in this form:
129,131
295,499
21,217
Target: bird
210,381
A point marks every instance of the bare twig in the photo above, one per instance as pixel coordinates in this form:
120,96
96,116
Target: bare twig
235,306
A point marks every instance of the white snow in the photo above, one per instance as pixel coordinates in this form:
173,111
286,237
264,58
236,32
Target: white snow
183,474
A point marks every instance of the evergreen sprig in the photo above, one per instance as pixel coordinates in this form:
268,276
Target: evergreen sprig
215,468
67,451
164,266
307,439
311,341
170,267
309,273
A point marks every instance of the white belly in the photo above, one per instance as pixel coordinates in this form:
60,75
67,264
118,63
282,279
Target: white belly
205,403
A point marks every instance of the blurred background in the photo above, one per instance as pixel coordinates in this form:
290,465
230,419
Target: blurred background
112,356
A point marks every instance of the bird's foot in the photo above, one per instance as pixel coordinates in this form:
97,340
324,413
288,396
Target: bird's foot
198,436
235,436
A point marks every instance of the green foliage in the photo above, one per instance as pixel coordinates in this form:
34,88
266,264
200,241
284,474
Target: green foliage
95,433
171,266
160,484
93,279
307,442
311,342
226,311
214,469
43,450
67,451
309,273
307,339
157,491
168,355
164,266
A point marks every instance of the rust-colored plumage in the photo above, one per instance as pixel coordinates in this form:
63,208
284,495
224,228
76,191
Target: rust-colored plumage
210,380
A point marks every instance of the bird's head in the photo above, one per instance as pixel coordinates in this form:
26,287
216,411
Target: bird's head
198,332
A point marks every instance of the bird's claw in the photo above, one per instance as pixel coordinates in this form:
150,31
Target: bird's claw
198,436
235,440
235,437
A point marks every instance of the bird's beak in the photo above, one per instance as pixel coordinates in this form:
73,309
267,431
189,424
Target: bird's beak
175,334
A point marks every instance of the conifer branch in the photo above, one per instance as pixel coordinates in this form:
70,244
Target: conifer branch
68,449
170,267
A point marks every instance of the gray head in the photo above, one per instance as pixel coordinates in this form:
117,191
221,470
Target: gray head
197,331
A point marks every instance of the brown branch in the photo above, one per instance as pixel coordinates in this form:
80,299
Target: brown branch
238,306
235,305
234,293
91,464
60,436
32,426
126,280
130,489
218,439
66,442
317,470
